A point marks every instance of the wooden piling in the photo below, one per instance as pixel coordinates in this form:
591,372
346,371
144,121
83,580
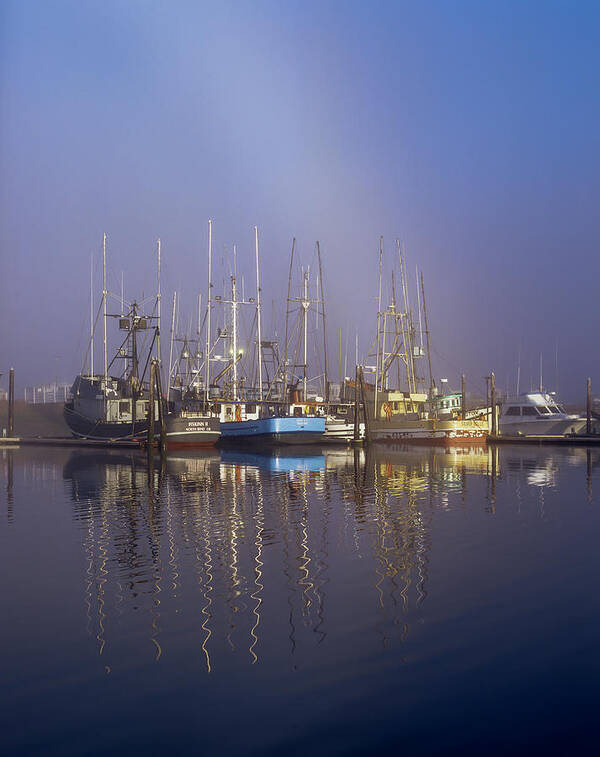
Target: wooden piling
150,436
356,420
588,425
493,395
161,412
364,404
11,403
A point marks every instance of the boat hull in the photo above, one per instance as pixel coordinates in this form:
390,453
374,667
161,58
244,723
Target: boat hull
542,427
192,430
86,428
341,432
285,430
430,432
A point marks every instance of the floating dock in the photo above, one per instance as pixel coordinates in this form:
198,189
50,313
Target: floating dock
575,440
56,441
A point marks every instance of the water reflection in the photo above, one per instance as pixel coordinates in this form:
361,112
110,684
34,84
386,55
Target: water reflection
247,554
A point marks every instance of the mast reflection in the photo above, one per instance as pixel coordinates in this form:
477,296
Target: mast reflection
242,550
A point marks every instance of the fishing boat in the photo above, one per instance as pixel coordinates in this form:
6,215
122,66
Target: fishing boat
246,416
190,420
271,425
191,423
114,404
537,414
410,415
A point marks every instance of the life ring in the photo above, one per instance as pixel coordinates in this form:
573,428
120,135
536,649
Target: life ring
387,409
238,413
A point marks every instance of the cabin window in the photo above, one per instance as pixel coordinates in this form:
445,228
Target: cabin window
543,410
513,411
297,412
528,410
250,408
217,409
123,407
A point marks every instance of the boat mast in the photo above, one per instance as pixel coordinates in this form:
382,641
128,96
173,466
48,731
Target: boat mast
172,337
198,331
91,316
104,293
378,327
324,323
419,306
410,367
260,386
396,333
158,312
431,380
287,311
207,356
305,304
234,324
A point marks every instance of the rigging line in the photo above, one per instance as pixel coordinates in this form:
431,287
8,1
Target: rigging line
93,335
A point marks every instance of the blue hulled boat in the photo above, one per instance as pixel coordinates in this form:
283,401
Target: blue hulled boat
274,430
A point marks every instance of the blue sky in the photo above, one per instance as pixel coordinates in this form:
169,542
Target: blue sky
467,129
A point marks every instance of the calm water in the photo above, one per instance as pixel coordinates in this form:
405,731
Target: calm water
401,602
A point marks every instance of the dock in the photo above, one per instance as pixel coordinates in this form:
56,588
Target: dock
55,441
575,440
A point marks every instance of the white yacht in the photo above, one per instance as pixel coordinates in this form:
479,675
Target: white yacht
537,414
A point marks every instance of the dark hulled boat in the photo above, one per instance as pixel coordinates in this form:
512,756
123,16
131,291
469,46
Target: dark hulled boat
115,407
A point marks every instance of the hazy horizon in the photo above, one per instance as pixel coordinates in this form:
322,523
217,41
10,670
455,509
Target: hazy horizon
468,130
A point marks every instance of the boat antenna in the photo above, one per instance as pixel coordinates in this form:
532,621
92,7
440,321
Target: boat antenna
323,319
207,359
260,386
122,297
518,370
431,379
104,309
541,382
